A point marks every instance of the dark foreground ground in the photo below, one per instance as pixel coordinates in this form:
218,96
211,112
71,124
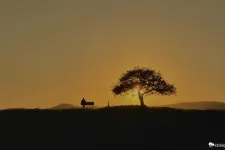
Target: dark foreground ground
111,128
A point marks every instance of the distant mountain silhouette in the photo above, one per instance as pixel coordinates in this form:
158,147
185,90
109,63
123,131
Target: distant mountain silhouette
67,106
204,105
64,106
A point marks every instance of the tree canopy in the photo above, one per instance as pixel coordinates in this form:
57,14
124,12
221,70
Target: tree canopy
145,81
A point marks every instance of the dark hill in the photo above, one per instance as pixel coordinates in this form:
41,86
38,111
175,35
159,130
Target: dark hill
121,127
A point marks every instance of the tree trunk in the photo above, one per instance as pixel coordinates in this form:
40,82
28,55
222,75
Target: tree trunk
142,101
141,98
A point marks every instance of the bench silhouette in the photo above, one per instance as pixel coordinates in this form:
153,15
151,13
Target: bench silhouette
84,103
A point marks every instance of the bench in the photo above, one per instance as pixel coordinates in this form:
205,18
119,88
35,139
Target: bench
84,103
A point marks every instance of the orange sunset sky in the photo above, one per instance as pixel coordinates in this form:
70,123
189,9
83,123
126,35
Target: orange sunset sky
59,51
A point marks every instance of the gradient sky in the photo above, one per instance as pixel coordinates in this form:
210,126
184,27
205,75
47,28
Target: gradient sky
59,51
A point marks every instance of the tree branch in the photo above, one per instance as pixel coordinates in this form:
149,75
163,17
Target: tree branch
147,92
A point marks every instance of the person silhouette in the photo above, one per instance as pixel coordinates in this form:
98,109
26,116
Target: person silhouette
83,101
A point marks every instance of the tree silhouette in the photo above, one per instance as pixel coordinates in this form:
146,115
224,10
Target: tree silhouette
145,81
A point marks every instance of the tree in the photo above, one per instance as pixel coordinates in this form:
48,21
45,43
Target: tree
145,81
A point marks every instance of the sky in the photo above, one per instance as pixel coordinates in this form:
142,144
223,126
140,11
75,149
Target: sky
59,51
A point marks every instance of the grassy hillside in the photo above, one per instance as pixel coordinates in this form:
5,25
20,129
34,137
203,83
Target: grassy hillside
114,127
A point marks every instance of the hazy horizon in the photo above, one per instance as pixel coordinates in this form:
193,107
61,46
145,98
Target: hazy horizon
54,51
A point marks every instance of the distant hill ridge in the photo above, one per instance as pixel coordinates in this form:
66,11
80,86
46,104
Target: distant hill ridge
64,106
203,105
